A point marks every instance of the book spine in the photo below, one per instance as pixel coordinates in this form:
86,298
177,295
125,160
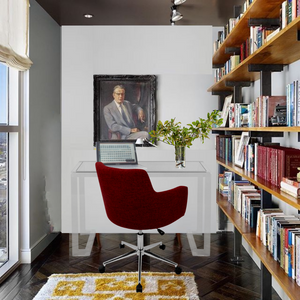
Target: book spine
297,255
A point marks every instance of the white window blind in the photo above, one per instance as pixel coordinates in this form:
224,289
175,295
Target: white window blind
14,33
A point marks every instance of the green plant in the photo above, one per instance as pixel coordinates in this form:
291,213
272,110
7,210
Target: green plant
171,132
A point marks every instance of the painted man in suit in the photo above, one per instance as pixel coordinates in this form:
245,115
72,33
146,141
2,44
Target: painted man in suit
119,116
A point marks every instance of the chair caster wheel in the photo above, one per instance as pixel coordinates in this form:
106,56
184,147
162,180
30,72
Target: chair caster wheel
139,288
101,269
122,246
162,247
178,270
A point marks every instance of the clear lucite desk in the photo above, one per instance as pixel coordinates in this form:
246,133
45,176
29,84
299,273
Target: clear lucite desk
88,212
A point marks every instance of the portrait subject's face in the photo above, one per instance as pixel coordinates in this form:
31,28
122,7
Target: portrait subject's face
119,95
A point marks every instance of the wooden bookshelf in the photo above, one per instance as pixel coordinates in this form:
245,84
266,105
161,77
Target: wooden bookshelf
289,285
261,183
284,48
258,9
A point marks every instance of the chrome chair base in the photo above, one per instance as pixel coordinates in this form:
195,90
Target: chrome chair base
140,250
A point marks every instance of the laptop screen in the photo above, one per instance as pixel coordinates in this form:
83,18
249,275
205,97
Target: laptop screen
116,152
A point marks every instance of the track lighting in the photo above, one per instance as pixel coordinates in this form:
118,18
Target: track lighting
176,16
178,2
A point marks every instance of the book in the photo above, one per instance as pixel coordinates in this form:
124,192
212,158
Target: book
291,181
254,215
293,253
271,35
288,162
231,115
239,158
272,102
297,258
287,187
225,110
289,192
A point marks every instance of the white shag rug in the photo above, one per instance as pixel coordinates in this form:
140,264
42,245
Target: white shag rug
119,286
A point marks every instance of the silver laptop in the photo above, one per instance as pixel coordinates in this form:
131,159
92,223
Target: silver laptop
119,152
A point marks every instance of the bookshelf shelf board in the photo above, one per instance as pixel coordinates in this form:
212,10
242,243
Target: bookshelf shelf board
261,183
281,49
288,285
261,129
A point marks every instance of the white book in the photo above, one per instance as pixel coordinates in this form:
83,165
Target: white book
289,187
283,14
255,158
297,258
293,254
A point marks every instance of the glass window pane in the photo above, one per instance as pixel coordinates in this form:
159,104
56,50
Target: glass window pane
3,94
3,199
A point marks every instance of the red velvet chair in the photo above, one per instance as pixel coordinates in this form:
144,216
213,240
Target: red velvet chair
131,202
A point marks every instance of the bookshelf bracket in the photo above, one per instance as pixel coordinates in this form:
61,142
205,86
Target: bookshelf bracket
267,136
268,23
237,89
237,247
266,283
217,66
265,68
221,93
232,50
298,35
265,76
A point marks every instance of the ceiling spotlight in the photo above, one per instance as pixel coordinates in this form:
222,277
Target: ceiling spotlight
88,16
178,2
176,16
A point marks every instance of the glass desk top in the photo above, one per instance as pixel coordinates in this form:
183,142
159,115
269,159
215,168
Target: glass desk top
149,166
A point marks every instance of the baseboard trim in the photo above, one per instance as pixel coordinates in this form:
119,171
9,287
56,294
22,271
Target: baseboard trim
27,256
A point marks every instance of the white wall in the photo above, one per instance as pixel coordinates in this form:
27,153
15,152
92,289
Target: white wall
42,154
180,57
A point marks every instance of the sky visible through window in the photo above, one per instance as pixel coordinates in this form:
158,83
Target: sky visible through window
3,94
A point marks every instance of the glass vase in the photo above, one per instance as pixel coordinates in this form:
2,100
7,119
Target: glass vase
180,156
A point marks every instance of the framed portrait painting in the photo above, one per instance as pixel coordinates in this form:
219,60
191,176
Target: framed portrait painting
124,106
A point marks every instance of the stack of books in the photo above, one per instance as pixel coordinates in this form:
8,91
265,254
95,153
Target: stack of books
291,186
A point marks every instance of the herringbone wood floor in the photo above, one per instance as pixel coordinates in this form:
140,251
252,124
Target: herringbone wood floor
216,276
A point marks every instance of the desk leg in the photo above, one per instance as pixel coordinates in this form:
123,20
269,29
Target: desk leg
98,240
85,251
199,252
178,237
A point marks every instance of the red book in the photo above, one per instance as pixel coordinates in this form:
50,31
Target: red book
264,159
259,160
268,164
288,162
274,166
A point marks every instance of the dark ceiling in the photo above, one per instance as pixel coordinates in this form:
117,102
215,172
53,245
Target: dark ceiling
139,12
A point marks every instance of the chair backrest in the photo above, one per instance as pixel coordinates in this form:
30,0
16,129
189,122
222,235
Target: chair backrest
131,202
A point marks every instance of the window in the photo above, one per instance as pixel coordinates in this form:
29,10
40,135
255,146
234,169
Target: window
9,167
3,165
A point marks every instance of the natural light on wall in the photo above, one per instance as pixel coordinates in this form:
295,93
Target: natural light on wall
14,33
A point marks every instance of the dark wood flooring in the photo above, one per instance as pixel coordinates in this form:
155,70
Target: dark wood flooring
216,276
